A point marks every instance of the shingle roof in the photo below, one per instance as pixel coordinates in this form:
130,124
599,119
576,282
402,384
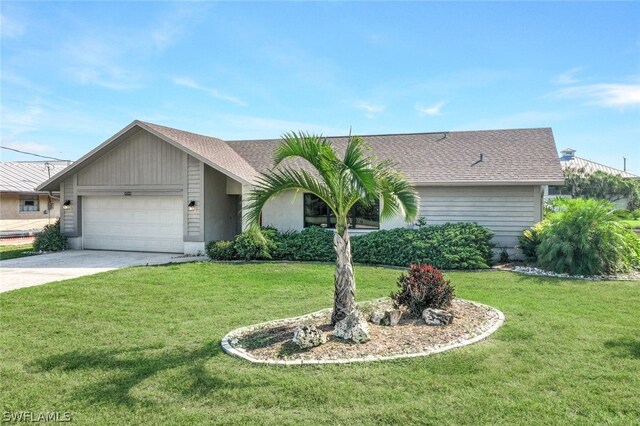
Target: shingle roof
519,156
25,176
211,150
509,156
589,166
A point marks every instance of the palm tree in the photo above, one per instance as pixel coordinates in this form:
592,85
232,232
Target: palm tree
340,183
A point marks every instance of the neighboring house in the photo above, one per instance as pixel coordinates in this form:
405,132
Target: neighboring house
22,207
154,188
568,160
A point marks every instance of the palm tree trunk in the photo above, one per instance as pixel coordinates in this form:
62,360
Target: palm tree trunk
345,281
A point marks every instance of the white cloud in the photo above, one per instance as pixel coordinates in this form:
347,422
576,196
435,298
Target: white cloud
604,94
431,110
371,110
567,77
96,62
22,120
36,148
170,27
260,127
11,28
187,82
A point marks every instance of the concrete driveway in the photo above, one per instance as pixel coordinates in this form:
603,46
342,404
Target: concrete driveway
46,268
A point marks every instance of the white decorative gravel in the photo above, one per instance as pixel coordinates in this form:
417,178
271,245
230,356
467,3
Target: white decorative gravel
529,270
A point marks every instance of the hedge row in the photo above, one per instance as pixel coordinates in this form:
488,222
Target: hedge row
449,246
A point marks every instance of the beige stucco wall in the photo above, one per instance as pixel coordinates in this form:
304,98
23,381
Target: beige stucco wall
286,213
10,208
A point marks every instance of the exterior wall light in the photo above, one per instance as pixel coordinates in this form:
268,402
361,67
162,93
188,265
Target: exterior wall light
67,205
191,206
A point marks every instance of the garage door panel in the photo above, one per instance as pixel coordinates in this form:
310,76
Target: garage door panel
144,223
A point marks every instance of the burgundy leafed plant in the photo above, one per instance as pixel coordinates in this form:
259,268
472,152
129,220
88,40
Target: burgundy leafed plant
423,286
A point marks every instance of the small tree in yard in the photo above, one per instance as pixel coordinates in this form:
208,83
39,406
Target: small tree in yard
340,182
601,186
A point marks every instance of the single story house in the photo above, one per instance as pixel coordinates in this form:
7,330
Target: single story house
569,160
24,209
155,188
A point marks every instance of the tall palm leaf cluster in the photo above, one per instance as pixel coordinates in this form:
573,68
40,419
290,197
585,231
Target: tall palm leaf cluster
341,182
583,237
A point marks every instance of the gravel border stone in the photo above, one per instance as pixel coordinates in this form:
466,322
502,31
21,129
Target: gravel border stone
233,336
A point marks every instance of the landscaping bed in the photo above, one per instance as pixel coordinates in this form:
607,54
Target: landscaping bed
272,341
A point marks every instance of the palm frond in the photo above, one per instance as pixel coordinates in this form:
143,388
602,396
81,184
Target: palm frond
273,183
397,195
315,150
358,172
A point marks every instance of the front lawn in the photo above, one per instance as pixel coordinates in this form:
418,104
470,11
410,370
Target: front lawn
141,345
13,251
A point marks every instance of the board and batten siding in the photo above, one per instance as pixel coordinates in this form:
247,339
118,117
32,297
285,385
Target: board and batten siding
194,225
141,159
69,218
506,210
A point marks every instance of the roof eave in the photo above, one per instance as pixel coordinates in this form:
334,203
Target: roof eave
491,182
194,154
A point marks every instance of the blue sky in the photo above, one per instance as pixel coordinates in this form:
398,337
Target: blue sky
73,74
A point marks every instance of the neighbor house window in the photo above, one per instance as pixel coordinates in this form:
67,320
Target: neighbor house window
557,190
29,203
317,213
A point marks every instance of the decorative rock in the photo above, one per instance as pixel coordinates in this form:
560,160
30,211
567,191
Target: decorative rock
308,337
392,317
376,317
437,316
353,327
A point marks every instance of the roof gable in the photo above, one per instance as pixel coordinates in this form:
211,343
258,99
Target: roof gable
211,151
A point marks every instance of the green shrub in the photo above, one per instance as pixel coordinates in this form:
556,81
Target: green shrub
422,287
583,237
623,214
308,245
221,250
448,246
50,239
530,240
252,244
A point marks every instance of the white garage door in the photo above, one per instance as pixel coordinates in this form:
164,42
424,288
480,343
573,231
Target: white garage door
137,223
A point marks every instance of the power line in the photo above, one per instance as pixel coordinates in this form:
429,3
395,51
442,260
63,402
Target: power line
31,153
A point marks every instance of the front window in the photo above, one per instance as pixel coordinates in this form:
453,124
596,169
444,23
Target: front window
317,213
29,203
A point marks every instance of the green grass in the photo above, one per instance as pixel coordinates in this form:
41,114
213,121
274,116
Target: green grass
11,252
141,345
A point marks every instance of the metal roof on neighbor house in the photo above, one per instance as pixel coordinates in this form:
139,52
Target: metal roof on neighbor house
517,156
571,161
25,176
